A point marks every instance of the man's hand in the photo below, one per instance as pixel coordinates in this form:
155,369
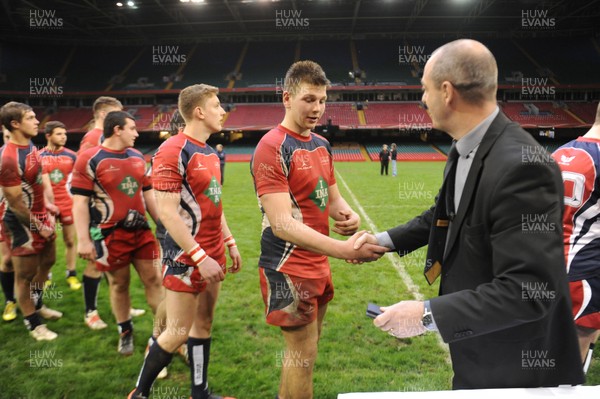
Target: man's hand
236,260
364,239
86,249
347,223
366,253
52,209
210,270
402,320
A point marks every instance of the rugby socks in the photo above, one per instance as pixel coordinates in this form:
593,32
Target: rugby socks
37,294
7,280
126,327
199,353
90,292
32,321
71,273
156,360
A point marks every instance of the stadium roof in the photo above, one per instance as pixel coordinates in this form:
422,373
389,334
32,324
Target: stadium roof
161,21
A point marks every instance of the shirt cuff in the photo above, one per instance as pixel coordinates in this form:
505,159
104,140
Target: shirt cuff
434,326
385,240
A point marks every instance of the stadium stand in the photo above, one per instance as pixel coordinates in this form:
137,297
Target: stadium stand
538,114
579,62
254,116
396,115
347,152
585,111
223,58
341,114
333,56
239,153
143,116
75,119
106,74
277,55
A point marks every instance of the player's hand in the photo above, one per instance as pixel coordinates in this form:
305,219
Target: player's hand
367,252
211,271
86,250
402,320
347,223
53,209
236,260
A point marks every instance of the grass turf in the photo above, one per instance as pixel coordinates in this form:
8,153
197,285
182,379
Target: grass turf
246,355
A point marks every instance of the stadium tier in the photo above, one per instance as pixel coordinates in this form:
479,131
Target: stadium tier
347,152
378,115
343,115
254,64
254,116
585,111
540,114
397,116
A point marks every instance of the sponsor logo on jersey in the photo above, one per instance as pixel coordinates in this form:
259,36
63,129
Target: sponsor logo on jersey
56,176
213,191
129,186
565,160
320,195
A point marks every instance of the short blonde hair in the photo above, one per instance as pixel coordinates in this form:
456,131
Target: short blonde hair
192,97
103,102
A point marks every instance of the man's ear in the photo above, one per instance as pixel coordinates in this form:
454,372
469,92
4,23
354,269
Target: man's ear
448,92
287,96
199,112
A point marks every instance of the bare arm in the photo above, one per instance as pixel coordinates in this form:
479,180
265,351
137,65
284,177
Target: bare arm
150,201
14,198
81,219
278,209
347,221
234,253
49,195
168,206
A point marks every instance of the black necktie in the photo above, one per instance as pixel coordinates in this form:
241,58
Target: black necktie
443,215
450,181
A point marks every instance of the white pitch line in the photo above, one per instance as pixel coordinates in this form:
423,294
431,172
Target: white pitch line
391,256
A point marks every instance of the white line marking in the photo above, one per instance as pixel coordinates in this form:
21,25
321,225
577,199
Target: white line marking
394,260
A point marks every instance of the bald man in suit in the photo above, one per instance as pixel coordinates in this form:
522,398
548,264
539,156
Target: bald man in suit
494,236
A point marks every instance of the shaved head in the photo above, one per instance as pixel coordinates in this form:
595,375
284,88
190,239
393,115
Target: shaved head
469,66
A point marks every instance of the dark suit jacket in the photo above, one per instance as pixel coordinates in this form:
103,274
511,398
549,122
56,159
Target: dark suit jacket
504,305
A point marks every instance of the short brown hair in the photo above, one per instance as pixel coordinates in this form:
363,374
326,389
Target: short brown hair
192,97
304,71
13,111
50,126
105,101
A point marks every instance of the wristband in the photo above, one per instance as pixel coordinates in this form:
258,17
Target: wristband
230,242
197,254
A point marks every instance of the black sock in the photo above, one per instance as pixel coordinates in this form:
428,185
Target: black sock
199,354
126,327
90,292
71,273
37,295
7,280
32,321
156,360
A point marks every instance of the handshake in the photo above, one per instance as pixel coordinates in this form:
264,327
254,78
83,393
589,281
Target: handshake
362,247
